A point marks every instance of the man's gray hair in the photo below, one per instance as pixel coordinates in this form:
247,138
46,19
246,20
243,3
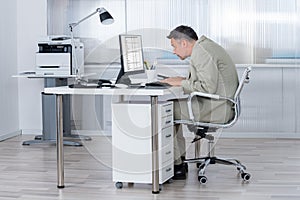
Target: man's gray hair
183,32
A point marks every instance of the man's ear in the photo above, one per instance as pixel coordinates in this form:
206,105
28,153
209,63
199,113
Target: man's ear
184,43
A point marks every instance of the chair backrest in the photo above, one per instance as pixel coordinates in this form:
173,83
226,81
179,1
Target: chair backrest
236,104
244,79
236,99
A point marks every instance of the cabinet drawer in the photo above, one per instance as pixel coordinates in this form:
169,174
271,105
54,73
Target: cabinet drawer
167,109
166,121
166,173
167,136
167,153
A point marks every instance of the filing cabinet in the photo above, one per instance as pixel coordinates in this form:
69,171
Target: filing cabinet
131,142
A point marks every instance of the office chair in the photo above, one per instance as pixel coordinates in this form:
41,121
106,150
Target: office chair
202,130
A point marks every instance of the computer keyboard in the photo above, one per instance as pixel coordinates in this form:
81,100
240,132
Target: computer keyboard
84,86
157,84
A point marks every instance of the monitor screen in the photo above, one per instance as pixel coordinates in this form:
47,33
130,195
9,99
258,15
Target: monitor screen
132,61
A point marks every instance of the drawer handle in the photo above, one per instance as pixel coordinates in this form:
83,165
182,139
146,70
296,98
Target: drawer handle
169,169
168,122
169,110
168,152
167,136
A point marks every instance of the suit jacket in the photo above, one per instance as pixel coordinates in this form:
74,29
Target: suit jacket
211,71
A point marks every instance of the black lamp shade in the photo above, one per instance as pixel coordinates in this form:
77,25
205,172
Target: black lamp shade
106,18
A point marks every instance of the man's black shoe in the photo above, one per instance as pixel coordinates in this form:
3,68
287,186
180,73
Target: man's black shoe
185,164
186,167
179,172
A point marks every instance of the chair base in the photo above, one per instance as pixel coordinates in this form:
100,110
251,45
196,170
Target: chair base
204,162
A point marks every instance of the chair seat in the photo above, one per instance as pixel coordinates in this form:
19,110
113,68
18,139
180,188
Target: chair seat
202,124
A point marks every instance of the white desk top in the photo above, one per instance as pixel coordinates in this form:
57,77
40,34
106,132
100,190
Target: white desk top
34,75
42,76
113,91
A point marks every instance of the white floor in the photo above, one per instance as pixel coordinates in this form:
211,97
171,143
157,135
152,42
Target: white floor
29,173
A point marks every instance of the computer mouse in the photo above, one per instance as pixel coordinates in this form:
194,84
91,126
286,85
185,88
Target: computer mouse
120,85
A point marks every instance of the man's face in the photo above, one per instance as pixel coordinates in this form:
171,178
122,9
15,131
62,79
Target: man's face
179,48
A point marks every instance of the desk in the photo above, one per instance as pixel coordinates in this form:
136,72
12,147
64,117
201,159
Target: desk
153,93
48,112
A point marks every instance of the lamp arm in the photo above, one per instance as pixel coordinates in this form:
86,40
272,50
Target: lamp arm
73,25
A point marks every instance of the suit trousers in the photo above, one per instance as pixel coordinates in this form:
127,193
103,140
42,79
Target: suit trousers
180,112
179,144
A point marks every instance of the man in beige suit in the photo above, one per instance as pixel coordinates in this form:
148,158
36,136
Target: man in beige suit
211,71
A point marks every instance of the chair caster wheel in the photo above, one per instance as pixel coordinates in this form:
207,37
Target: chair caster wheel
246,176
202,179
119,185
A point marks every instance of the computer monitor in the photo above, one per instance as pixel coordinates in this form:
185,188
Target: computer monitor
132,60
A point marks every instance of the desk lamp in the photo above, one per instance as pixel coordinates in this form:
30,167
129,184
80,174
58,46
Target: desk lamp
105,18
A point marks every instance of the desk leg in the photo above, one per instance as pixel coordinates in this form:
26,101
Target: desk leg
59,141
154,138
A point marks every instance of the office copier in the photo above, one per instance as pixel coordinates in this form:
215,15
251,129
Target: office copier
55,56
56,61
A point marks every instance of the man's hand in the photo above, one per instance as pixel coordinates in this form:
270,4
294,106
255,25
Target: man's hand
174,81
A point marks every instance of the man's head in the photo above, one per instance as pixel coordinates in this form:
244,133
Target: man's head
183,39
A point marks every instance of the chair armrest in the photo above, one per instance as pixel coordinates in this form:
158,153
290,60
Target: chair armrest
204,95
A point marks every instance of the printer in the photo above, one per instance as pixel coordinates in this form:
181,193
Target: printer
56,56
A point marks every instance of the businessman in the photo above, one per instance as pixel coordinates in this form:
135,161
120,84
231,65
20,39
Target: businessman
211,71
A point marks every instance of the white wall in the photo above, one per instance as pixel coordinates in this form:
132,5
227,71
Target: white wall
32,24
26,28
9,122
